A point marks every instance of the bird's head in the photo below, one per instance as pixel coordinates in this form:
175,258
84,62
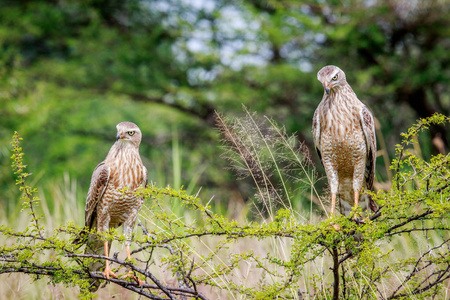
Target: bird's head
332,78
128,133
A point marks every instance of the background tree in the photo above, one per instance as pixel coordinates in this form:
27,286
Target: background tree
71,70
169,64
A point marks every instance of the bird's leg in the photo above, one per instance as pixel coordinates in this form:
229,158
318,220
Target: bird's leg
107,272
333,206
128,252
356,218
333,203
131,274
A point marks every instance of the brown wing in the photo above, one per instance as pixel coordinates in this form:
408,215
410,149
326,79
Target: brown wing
368,126
99,182
145,181
316,132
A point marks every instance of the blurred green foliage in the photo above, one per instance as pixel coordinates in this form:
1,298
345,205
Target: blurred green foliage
71,70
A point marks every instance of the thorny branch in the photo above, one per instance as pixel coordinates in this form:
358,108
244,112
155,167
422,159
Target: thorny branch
133,286
51,271
429,270
442,275
19,168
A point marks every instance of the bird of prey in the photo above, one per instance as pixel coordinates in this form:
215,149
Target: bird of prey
344,138
111,200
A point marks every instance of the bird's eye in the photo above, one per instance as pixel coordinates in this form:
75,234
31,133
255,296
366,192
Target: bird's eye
130,133
335,78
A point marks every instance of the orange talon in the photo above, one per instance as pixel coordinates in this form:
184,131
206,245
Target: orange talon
131,274
108,271
135,278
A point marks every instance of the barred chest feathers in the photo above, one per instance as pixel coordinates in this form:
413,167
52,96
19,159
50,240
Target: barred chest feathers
127,172
126,168
341,133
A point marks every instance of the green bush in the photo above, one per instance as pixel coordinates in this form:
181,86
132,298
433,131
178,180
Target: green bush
399,252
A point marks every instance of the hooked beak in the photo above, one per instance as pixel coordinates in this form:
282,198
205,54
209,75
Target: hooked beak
327,88
119,136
